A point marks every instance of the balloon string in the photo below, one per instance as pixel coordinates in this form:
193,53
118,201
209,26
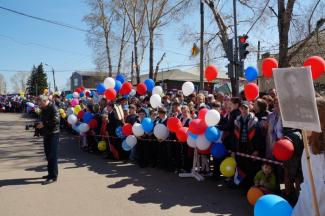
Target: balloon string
176,141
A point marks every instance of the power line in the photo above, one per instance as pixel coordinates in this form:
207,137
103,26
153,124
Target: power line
44,19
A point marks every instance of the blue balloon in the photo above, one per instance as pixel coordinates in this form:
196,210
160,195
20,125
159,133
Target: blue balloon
125,146
150,84
118,85
92,93
147,125
270,205
251,74
212,134
120,78
119,132
76,127
126,96
69,96
87,117
101,88
218,150
82,94
194,136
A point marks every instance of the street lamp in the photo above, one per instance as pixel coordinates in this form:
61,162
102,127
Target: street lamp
55,87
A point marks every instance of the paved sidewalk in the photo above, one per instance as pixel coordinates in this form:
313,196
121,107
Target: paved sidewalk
89,185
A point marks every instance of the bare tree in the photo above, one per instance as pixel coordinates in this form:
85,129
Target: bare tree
19,81
285,20
101,25
158,14
135,10
3,85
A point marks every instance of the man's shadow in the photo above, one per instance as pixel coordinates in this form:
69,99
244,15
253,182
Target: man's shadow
21,181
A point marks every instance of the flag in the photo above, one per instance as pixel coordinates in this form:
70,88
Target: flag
239,176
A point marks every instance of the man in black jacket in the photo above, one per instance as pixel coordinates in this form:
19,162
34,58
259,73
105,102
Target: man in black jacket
50,127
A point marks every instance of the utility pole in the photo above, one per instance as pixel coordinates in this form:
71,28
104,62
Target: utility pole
201,44
258,56
236,62
55,88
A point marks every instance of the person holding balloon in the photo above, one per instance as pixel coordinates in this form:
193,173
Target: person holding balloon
187,152
114,141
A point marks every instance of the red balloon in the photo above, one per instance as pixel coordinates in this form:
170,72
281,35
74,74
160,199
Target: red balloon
283,150
181,134
78,90
197,126
211,72
110,94
141,89
80,114
251,91
93,123
126,88
317,64
127,129
173,124
267,65
202,113
87,94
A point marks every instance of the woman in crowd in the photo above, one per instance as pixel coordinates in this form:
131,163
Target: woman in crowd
316,140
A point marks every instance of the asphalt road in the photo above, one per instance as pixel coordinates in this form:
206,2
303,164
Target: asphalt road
89,185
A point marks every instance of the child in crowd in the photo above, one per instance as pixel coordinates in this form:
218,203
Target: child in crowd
265,179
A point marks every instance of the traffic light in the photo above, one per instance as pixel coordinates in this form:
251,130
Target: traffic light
231,72
230,50
243,46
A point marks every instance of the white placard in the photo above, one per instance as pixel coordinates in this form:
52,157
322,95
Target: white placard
296,94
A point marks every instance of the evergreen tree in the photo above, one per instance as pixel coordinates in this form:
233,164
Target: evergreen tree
37,81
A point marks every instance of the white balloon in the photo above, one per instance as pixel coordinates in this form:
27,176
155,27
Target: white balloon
161,132
30,104
75,94
72,119
133,92
191,142
202,143
83,127
155,101
157,90
109,82
131,140
137,129
70,111
212,117
188,88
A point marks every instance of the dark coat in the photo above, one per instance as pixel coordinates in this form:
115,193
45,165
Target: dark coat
50,118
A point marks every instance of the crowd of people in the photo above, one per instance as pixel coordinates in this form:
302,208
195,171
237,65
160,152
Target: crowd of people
248,127
12,103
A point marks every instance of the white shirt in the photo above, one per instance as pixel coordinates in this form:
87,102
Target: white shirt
304,206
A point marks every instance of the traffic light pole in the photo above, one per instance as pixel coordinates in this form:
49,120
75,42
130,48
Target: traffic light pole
201,45
236,62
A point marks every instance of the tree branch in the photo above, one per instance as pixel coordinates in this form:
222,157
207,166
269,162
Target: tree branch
311,15
302,44
157,66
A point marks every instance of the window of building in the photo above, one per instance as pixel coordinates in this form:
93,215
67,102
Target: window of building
75,82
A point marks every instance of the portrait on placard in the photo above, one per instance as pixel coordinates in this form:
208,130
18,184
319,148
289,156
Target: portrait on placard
296,96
